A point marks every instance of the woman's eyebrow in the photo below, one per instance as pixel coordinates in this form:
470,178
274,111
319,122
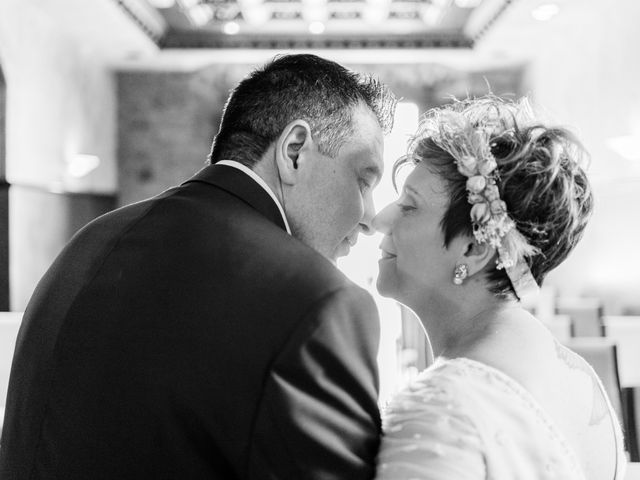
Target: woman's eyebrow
413,191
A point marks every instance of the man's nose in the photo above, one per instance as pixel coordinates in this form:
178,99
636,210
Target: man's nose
382,222
366,226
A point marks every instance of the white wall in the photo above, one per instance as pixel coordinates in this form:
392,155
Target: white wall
585,71
61,101
60,92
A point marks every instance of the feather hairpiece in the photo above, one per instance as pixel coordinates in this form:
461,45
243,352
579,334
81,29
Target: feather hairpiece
469,141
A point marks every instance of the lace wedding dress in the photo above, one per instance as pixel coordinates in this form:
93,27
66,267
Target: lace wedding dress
462,420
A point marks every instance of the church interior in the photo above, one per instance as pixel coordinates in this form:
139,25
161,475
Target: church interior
107,102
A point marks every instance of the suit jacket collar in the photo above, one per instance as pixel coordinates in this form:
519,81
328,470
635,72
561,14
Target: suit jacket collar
242,186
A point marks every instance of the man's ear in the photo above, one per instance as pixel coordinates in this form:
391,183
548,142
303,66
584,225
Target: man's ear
477,256
291,146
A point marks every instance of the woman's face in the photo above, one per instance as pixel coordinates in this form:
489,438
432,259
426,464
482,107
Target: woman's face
415,266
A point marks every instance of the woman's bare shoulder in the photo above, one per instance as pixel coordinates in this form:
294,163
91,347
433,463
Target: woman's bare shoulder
564,385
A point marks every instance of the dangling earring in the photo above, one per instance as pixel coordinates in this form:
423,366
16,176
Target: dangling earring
460,273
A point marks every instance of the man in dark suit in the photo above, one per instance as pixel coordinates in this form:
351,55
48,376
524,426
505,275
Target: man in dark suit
206,333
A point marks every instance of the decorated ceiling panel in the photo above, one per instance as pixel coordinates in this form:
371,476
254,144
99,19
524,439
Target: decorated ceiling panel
315,23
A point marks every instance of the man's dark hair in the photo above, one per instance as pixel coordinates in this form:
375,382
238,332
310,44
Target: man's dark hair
306,87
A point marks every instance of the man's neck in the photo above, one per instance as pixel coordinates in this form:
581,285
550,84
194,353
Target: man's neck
265,184
267,170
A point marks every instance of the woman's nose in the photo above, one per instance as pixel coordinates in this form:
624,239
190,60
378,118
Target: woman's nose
383,220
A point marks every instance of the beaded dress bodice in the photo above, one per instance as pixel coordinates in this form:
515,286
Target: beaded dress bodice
462,419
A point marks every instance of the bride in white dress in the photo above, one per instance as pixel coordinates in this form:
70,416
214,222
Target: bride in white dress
495,201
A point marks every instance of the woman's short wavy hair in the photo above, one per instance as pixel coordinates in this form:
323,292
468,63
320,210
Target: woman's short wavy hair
541,179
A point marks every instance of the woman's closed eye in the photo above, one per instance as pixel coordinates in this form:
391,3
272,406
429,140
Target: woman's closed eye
405,208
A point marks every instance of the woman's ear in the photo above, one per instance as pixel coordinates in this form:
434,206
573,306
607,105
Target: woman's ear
291,146
477,256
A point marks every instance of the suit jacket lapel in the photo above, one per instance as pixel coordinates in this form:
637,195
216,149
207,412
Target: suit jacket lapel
242,186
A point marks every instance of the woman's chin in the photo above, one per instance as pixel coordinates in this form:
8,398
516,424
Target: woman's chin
386,287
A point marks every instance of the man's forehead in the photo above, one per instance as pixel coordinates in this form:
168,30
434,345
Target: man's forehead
365,118
367,142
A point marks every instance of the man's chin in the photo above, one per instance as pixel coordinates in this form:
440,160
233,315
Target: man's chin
342,250
332,256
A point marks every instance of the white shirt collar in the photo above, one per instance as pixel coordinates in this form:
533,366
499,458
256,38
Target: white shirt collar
259,181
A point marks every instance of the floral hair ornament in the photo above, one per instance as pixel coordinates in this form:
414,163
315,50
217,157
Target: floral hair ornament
470,142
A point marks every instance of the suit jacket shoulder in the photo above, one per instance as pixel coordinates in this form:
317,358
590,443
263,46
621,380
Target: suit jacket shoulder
318,416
